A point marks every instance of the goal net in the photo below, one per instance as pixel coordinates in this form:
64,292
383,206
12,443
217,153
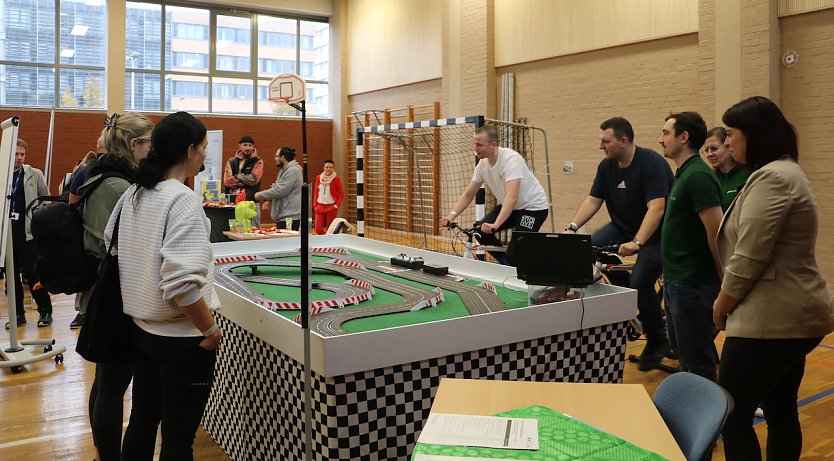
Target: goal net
409,175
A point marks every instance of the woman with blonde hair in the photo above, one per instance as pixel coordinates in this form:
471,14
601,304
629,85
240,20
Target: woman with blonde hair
126,141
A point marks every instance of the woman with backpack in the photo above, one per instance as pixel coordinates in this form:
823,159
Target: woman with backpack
126,141
166,271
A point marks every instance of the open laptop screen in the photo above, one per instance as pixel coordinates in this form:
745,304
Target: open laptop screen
553,259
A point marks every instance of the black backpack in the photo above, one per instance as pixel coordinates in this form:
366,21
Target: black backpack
63,265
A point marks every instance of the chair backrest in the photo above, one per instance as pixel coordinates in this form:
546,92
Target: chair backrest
695,409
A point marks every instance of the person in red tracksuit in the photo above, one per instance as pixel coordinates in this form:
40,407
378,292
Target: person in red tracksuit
327,196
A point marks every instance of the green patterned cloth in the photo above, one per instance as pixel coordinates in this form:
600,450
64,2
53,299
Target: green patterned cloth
560,438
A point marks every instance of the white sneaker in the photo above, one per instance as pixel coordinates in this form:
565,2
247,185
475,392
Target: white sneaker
759,413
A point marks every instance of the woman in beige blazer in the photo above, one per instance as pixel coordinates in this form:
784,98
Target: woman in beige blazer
774,303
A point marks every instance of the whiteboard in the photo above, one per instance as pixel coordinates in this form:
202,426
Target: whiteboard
8,145
214,161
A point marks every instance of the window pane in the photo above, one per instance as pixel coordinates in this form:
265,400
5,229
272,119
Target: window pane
83,30
143,44
317,102
142,91
186,92
232,95
233,44
29,28
27,86
186,39
276,46
82,88
315,48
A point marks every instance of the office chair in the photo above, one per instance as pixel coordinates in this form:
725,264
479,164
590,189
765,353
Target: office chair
695,409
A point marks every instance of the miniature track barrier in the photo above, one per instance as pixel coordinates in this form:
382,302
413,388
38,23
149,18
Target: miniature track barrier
431,302
237,259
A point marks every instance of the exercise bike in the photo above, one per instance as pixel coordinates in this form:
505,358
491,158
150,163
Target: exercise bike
472,248
614,271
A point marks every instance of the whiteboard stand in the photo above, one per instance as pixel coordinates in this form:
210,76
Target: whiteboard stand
16,355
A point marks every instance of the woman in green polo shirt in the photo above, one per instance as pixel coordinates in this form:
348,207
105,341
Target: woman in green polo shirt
731,176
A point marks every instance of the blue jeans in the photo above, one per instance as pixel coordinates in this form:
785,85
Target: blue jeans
689,319
646,271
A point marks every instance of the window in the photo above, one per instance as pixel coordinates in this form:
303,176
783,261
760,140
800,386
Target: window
218,60
275,66
191,31
233,35
276,39
53,53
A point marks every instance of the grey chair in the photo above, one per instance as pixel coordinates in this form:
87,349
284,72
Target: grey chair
695,409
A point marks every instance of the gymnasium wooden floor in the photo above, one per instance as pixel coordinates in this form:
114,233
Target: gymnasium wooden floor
44,408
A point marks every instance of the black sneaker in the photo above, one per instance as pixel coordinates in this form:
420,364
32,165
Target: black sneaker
45,320
77,322
21,321
653,354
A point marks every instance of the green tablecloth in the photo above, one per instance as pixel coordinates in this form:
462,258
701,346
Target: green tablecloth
560,438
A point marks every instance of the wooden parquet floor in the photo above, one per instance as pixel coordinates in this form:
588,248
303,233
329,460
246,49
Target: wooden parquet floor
43,410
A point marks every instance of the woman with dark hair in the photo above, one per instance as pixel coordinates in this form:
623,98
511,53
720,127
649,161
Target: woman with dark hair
285,193
166,270
774,303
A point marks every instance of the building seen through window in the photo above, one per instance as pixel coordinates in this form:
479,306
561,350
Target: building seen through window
53,52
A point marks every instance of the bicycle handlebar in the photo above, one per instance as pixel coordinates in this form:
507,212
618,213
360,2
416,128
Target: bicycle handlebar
469,232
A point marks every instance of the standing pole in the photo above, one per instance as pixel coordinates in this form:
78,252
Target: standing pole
305,319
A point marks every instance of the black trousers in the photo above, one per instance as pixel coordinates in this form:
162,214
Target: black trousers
646,271
519,220
25,256
107,407
171,384
766,372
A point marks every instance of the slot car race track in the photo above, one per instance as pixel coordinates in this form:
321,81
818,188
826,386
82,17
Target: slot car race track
477,300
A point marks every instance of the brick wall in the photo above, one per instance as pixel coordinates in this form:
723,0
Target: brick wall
570,96
807,91
76,133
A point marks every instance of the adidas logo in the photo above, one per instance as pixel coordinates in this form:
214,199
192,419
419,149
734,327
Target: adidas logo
621,185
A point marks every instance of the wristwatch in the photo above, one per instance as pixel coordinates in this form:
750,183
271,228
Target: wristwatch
637,242
572,227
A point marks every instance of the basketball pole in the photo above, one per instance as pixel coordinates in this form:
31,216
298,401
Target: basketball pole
303,109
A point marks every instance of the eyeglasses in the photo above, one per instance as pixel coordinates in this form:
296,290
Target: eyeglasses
711,149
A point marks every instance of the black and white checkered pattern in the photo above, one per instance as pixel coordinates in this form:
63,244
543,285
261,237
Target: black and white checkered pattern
256,408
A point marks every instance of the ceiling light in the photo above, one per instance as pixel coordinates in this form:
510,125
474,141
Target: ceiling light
67,53
223,44
189,63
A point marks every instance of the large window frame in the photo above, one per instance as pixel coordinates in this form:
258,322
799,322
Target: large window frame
56,67
253,73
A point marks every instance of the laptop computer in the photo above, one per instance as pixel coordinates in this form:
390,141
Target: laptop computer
553,259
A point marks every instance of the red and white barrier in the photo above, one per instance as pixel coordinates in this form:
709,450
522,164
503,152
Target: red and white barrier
278,305
342,262
237,259
328,250
313,311
362,284
433,301
488,286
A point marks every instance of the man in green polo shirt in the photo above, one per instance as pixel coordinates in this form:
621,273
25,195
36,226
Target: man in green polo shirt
731,176
691,273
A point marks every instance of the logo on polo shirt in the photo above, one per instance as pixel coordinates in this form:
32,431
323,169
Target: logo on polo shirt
621,185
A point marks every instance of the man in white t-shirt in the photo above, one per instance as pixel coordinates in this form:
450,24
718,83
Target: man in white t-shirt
522,202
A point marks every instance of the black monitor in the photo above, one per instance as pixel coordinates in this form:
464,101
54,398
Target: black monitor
553,259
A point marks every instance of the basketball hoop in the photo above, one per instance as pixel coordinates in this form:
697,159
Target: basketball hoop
286,89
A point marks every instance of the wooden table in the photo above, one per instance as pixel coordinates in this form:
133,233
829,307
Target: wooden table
624,410
252,236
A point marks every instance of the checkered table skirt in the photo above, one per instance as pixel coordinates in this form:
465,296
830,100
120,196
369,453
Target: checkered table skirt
256,409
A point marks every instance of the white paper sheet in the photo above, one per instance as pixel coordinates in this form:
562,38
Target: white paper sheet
481,431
